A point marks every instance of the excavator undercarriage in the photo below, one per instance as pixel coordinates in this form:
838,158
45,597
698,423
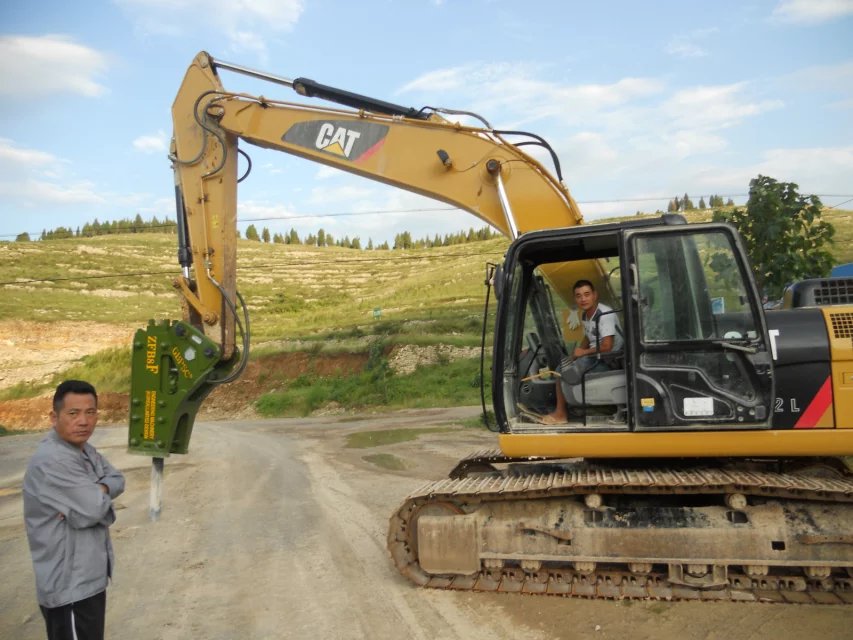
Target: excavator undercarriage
675,531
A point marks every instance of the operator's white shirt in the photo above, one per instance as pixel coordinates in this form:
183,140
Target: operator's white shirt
607,325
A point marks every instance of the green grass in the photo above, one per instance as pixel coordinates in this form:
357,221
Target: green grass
445,384
368,439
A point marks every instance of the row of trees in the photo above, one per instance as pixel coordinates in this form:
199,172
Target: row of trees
402,240
322,238
686,204
96,228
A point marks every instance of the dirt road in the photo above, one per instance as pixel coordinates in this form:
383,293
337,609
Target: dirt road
275,529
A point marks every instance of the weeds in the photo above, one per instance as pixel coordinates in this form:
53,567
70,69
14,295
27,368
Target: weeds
450,384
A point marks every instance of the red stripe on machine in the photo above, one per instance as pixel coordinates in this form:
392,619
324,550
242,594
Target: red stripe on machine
817,407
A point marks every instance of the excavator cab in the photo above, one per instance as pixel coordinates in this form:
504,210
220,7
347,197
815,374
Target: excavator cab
696,354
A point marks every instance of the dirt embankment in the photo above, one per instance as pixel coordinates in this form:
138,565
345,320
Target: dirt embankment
33,352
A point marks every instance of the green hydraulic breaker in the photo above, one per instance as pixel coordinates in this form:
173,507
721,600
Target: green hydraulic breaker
175,366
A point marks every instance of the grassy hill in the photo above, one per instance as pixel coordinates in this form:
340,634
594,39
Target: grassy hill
292,290
328,303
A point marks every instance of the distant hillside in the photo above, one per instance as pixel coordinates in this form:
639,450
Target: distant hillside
291,290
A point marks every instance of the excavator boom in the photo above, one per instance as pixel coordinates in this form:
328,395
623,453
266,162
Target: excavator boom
476,169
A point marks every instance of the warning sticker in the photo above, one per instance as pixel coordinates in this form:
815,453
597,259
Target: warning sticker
694,407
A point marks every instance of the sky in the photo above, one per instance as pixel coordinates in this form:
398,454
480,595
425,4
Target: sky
642,101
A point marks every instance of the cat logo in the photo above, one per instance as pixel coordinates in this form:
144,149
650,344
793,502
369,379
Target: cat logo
336,140
345,139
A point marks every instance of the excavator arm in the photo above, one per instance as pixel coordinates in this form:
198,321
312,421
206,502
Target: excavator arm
476,169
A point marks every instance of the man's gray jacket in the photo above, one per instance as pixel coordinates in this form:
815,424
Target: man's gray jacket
67,516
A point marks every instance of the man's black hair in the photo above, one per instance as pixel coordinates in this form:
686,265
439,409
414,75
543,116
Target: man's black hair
72,386
583,283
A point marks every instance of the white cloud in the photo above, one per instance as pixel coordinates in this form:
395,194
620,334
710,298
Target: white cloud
440,80
37,66
242,22
32,193
592,147
155,143
715,107
33,178
510,96
26,158
835,81
688,45
325,172
684,48
812,12
248,42
255,209
815,170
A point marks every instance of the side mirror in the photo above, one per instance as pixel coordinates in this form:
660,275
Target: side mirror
498,280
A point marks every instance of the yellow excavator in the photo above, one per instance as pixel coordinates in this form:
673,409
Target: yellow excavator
704,460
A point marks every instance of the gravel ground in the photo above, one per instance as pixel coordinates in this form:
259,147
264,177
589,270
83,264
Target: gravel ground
275,529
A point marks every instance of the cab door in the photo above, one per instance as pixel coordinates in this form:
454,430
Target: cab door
699,341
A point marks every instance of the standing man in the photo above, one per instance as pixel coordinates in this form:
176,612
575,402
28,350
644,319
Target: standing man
68,492
601,334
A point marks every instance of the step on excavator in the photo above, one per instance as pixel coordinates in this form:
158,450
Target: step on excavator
706,459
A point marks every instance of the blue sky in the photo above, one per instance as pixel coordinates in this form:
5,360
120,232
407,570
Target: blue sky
641,100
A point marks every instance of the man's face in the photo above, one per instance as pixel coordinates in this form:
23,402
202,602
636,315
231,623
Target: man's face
586,298
76,420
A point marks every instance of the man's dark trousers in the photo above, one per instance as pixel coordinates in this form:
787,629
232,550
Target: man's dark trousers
85,617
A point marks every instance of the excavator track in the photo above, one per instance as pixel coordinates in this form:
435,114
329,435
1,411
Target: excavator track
575,528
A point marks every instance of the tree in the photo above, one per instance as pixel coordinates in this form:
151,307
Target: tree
22,237
784,236
321,238
265,234
252,233
702,202
687,203
403,240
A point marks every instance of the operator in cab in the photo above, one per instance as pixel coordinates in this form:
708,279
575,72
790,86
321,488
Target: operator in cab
602,334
